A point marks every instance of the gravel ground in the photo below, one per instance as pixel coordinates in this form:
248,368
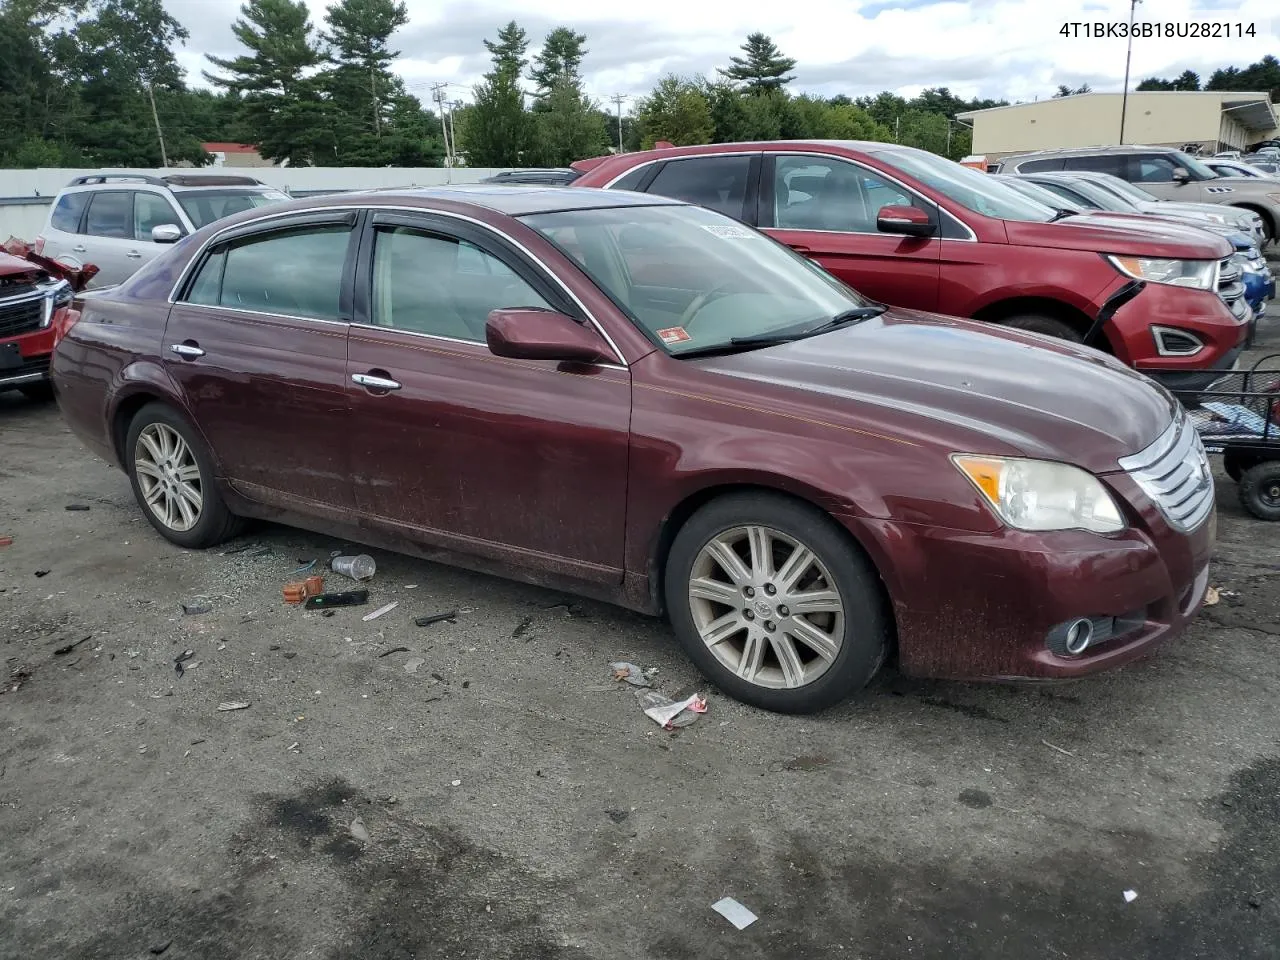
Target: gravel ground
489,792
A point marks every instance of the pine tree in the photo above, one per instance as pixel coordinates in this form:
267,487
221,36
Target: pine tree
359,34
285,114
676,111
569,126
763,68
558,61
497,132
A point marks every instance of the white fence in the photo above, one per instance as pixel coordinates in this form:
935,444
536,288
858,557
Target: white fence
25,195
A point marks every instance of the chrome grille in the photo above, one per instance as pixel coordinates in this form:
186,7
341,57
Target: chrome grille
1174,472
21,314
1230,283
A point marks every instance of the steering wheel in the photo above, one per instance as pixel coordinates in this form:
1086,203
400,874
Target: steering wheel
698,303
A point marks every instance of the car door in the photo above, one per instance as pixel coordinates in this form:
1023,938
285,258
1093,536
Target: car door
106,239
151,210
523,461
1154,173
257,345
825,208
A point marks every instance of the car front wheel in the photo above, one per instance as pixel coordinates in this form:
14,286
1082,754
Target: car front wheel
774,603
172,478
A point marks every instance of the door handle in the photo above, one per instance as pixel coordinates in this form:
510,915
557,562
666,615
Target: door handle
133,255
187,351
374,382
80,248
800,248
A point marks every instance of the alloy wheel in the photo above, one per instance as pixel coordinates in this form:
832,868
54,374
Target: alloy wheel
766,606
168,477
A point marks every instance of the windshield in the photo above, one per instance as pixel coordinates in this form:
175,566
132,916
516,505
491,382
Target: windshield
1123,188
205,206
970,188
693,279
1042,194
1105,199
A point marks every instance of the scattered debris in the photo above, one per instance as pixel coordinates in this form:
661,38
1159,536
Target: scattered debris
361,567
301,590
6,541
633,674
1130,896
61,651
290,654
387,653
349,598
617,816
260,552
381,610
670,714
807,764
411,666
734,912
233,705
77,507
239,548
411,586
1211,597
307,566
522,628
196,609
451,617
457,783
1059,749
43,573
293,746
359,831
437,678
17,677
180,660
161,948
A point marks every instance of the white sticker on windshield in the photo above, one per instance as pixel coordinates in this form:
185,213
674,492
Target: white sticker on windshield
729,231
275,195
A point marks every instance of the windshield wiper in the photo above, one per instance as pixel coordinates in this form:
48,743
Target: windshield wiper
742,344
1061,214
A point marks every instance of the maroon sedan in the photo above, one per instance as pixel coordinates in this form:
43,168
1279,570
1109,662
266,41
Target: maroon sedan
647,402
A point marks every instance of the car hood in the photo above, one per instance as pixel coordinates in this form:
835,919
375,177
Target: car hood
1161,238
1138,219
969,387
11,266
1187,208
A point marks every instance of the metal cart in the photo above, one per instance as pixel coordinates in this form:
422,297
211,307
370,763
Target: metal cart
1239,417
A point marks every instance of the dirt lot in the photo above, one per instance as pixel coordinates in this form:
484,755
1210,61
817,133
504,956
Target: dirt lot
513,802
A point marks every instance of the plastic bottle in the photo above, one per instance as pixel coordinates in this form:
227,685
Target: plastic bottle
361,567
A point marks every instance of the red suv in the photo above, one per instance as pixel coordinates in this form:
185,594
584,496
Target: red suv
913,229
36,309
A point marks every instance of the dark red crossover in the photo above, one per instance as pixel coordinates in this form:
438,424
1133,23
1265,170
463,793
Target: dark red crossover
650,403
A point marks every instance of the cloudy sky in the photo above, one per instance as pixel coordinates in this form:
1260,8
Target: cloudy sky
989,48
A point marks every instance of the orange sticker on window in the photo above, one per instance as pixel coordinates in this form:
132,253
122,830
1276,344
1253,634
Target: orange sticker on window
674,335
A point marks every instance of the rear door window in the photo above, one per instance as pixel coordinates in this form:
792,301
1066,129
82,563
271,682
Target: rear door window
68,211
296,273
110,214
719,183
1153,168
1032,166
1114,165
822,193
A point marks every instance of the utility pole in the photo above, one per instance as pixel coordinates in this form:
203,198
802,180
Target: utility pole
617,99
437,94
155,115
897,127
1124,100
454,107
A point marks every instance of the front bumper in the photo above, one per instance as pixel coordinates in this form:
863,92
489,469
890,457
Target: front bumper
30,362
1200,313
993,606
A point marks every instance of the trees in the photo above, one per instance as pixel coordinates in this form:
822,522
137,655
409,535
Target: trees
359,34
764,68
558,61
676,111
497,132
1065,91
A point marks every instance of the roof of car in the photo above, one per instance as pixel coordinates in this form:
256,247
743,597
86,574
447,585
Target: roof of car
518,200
1078,151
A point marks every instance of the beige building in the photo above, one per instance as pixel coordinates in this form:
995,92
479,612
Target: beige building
1216,120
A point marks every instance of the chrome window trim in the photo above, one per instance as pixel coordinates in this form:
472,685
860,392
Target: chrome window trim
441,337
263,313
423,211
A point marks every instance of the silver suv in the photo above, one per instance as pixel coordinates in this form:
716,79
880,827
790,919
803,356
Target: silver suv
1169,174
119,221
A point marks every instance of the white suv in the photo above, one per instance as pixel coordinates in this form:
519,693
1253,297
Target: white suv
119,221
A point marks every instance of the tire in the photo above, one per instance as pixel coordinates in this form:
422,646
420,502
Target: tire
1235,464
1260,490
1039,323
41,392
856,638
212,523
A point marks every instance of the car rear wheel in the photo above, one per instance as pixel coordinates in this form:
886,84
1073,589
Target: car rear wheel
1039,323
172,478
774,603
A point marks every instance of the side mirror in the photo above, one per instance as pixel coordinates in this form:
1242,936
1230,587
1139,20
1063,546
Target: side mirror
910,221
1181,175
166,233
525,333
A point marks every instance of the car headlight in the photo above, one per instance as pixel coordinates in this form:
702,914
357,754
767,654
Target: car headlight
1041,495
1215,217
56,297
1200,274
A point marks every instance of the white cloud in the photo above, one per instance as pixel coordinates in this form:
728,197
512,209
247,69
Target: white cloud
992,48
